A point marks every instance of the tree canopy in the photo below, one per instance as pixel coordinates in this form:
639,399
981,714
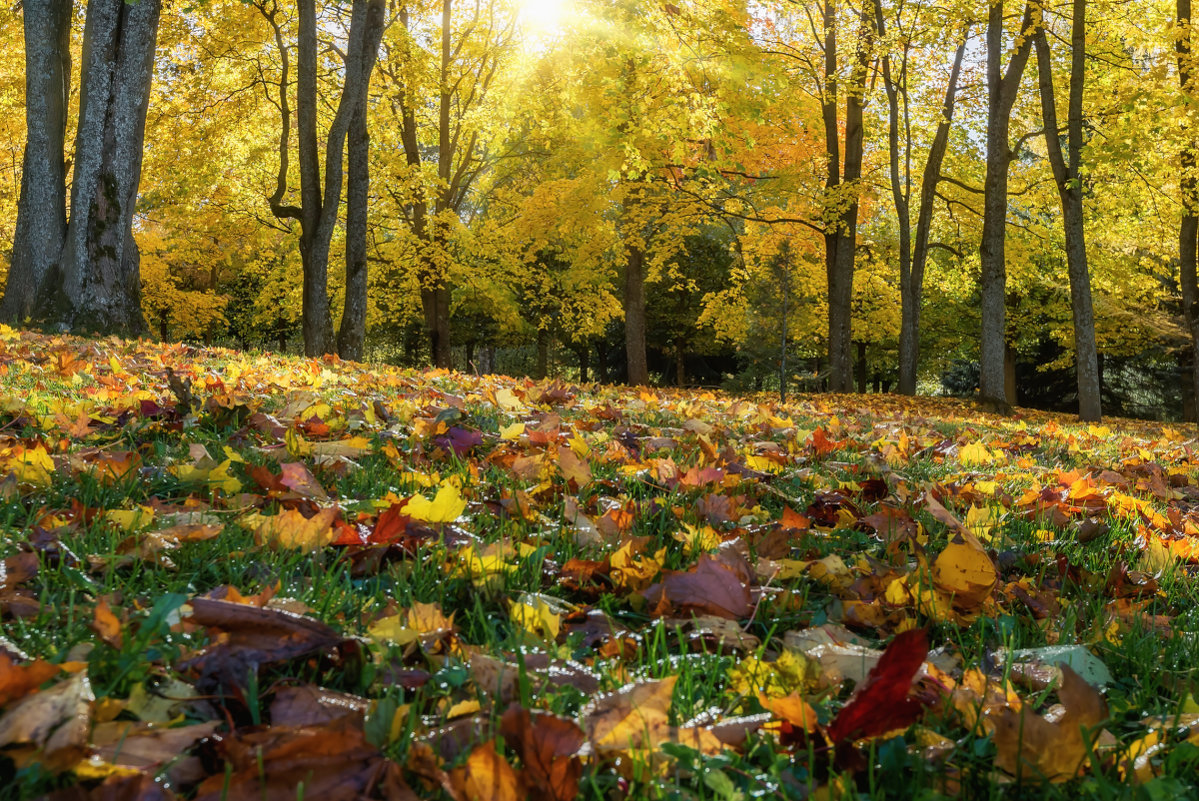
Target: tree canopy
818,194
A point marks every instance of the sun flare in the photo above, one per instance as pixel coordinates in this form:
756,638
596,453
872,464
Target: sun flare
543,16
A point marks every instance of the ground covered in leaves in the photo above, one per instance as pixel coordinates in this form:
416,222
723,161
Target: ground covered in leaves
231,576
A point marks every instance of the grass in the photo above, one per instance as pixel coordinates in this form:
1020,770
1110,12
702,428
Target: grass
430,707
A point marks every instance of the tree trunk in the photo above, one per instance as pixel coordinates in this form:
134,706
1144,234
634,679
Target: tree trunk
1009,378
42,207
634,315
1188,227
543,354
841,188
583,353
914,258
862,367
1069,184
1001,95
93,282
321,200
351,337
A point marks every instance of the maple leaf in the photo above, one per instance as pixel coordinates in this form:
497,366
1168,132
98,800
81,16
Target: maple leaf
1031,747
883,703
446,507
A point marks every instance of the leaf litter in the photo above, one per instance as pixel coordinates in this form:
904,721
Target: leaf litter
231,575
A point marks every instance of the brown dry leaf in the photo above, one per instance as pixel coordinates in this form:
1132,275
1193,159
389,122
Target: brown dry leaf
573,468
50,726
548,747
309,705
253,637
335,763
711,588
145,747
138,787
487,776
1033,748
638,716
296,477
18,681
965,572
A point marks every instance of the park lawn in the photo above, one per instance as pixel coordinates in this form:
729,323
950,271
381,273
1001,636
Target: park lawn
232,575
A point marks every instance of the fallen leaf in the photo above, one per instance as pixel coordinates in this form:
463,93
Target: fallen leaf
1033,748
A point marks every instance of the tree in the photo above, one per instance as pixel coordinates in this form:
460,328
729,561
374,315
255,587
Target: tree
438,79
320,201
913,257
1002,87
82,273
1188,227
1068,178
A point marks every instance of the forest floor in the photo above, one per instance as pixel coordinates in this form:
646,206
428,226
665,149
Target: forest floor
240,576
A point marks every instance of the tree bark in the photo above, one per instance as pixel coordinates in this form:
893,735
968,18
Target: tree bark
841,188
320,199
1188,227
1002,87
634,315
91,281
1069,183
913,258
42,207
351,337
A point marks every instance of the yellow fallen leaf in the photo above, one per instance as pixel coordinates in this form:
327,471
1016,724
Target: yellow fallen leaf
975,453
512,432
537,618
445,507
964,572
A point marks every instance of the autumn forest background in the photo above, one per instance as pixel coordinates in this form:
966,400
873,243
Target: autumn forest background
872,196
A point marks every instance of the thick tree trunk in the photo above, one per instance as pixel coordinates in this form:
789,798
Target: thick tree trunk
42,208
95,286
1188,227
1069,185
1001,95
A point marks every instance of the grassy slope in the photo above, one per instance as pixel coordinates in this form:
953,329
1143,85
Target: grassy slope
109,471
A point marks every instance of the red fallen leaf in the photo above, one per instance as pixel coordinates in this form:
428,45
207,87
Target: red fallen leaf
882,703
822,445
548,746
264,478
391,525
334,762
697,477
